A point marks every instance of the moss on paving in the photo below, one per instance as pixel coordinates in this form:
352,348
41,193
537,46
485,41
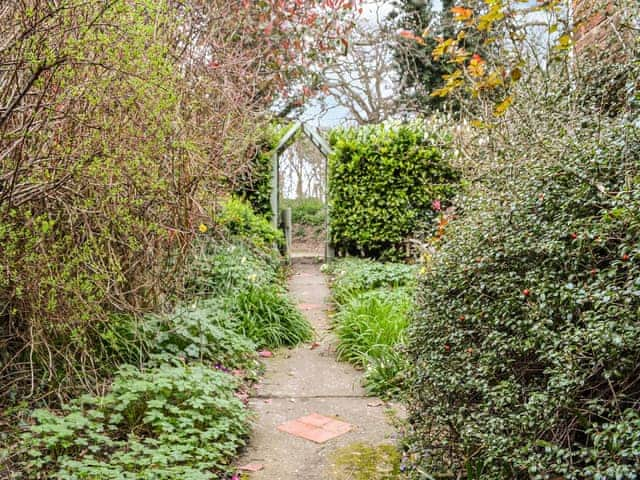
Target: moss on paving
362,461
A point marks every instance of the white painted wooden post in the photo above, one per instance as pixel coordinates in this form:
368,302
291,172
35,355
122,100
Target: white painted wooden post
275,191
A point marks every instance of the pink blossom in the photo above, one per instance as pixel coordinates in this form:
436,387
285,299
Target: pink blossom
437,206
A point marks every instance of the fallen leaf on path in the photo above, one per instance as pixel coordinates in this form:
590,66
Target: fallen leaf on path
265,354
268,400
314,345
375,404
251,467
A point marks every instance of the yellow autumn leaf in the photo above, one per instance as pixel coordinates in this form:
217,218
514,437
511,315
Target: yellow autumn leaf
476,66
460,55
441,48
503,106
492,81
486,21
452,81
461,14
440,92
564,42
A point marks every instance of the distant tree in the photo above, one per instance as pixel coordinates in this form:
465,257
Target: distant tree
419,31
418,73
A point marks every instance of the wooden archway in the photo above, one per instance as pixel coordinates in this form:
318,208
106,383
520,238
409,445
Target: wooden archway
323,146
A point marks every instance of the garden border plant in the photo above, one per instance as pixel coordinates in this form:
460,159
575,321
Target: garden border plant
373,302
179,412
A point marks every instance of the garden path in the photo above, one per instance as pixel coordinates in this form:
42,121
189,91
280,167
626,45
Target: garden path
305,380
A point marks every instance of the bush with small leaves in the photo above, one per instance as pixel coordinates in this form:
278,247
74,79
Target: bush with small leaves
525,348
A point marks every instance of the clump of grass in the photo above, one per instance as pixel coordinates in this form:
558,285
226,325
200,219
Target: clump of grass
374,303
371,324
265,315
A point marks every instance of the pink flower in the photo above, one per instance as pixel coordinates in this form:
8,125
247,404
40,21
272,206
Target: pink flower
437,206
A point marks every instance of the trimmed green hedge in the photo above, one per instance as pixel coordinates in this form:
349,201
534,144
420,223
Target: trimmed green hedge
383,181
526,345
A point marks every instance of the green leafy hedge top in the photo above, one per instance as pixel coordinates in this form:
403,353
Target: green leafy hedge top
383,180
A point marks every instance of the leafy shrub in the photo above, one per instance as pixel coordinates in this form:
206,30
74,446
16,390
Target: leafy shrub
91,231
352,276
164,423
527,341
241,223
197,333
220,268
266,315
306,211
255,183
383,180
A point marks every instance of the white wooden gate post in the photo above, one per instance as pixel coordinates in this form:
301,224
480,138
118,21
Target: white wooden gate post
275,190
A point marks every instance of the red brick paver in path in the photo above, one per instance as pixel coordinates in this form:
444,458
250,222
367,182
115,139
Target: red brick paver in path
316,428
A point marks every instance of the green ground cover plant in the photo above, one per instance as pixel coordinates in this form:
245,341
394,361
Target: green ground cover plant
526,342
386,184
166,422
374,302
201,333
352,276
